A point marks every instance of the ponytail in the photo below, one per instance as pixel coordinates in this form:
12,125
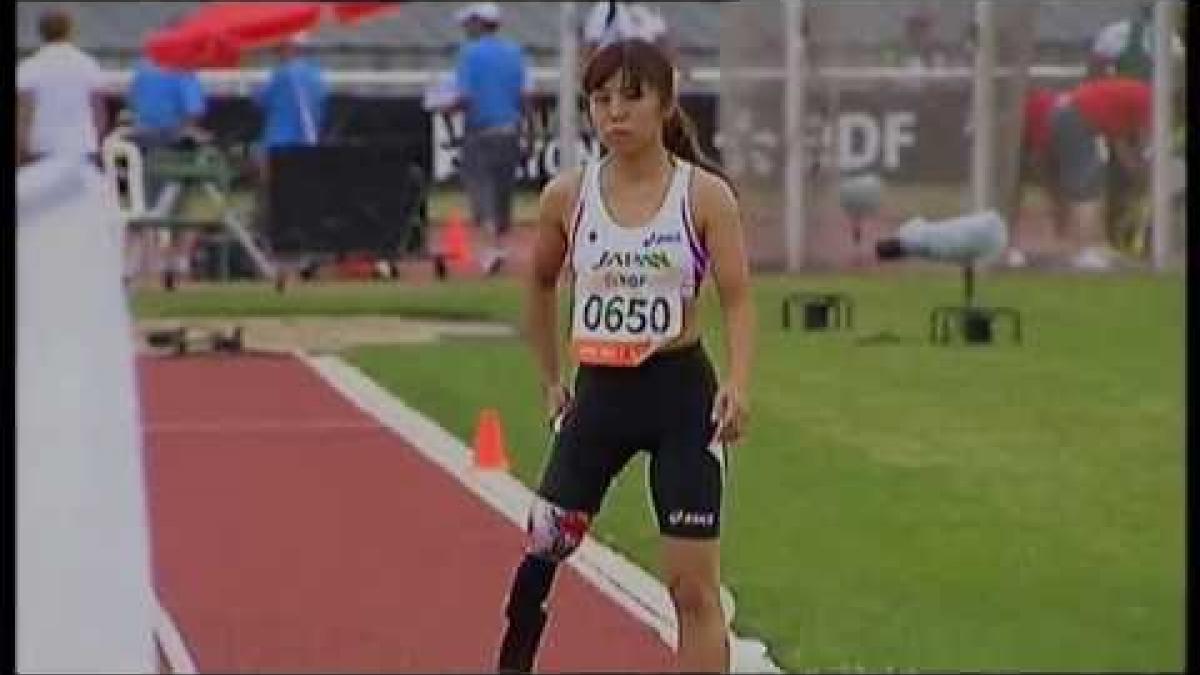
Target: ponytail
680,139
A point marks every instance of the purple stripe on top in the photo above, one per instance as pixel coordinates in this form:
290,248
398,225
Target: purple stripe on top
575,232
698,254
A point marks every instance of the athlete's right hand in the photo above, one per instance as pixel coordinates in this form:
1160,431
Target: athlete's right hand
558,400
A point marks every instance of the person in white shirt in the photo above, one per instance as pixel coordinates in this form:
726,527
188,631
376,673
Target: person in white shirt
609,21
60,109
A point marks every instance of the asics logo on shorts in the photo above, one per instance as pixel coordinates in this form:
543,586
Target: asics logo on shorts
690,518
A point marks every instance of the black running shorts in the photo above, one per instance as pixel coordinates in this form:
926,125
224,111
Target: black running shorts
663,407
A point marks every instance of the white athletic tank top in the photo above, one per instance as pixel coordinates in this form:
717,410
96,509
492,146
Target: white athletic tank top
630,282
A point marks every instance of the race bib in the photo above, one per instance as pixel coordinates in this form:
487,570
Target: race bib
623,327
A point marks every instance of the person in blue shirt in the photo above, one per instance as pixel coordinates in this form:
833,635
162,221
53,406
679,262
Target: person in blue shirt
493,91
167,106
293,102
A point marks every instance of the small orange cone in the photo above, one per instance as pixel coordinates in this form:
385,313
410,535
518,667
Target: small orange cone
456,242
489,442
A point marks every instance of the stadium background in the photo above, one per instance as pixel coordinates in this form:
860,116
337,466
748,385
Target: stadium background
999,509
900,128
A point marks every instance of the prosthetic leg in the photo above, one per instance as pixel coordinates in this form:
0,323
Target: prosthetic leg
526,614
554,533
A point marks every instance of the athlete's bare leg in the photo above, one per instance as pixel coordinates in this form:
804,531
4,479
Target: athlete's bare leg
693,572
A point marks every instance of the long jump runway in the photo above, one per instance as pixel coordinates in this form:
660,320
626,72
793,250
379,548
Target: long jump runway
291,531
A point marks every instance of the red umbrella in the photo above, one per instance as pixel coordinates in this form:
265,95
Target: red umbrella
185,47
351,13
217,34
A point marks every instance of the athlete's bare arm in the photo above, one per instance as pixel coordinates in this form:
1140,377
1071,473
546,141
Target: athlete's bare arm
720,225
549,251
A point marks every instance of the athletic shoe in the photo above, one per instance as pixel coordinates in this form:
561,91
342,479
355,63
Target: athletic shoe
493,260
1092,259
1015,258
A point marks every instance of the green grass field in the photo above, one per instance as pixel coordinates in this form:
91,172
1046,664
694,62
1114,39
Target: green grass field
897,505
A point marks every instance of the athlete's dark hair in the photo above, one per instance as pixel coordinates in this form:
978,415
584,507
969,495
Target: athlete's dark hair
641,62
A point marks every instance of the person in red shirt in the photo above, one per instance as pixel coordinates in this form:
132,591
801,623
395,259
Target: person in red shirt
1036,131
1101,120
1118,108
1035,141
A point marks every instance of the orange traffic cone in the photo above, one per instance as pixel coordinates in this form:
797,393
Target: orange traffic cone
489,442
456,242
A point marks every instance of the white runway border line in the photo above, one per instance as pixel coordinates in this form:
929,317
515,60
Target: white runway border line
627,584
171,641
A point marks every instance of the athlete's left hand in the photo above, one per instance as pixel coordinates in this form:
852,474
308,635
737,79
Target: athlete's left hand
730,412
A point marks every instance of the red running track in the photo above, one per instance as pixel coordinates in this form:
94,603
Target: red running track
292,532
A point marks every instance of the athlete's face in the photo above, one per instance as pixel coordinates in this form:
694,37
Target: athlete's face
627,118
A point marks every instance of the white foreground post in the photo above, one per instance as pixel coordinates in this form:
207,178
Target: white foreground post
85,600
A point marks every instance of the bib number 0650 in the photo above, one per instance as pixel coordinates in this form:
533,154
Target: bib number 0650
627,315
